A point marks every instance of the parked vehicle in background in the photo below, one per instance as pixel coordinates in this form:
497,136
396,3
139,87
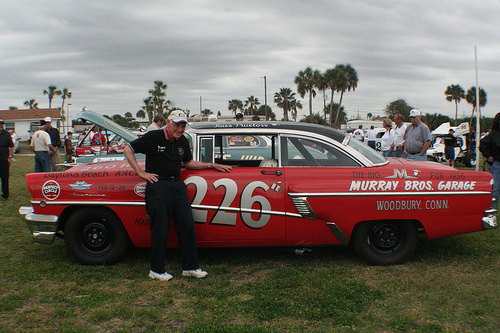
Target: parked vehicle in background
292,184
117,138
462,154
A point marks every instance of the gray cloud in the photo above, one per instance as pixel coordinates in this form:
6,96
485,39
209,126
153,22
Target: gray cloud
109,53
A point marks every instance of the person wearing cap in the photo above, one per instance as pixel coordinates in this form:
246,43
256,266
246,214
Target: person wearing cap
158,122
6,154
55,138
417,138
239,117
166,194
450,142
42,146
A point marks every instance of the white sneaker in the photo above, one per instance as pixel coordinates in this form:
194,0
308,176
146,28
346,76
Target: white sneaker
197,273
162,277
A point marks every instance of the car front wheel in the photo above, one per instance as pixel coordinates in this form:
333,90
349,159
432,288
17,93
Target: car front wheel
385,242
95,236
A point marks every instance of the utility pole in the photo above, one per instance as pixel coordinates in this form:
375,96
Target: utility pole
265,98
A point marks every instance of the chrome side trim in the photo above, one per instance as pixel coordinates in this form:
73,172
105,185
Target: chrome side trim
142,203
338,233
386,194
93,203
303,207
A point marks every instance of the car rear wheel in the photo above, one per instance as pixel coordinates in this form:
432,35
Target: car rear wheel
95,236
385,242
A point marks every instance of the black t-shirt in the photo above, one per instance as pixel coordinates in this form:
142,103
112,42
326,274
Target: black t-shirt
450,140
55,137
5,144
163,157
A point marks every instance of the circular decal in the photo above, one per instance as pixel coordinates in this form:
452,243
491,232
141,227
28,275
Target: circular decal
140,189
181,151
51,190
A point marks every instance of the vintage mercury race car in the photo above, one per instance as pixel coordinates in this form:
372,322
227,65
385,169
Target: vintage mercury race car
292,184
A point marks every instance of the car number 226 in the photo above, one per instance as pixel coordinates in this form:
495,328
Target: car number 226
227,215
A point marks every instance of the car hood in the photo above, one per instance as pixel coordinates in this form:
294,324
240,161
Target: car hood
107,124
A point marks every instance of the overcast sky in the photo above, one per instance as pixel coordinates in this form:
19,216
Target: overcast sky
109,53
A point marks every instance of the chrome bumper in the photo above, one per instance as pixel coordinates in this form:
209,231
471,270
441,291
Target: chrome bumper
42,227
490,220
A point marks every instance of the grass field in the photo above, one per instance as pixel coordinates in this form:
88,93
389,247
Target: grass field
449,285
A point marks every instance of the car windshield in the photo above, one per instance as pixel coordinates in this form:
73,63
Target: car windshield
374,156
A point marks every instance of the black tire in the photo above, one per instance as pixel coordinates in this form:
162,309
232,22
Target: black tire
95,236
385,242
470,159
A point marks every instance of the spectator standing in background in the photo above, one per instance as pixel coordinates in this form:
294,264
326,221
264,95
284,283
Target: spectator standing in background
450,142
399,137
55,138
6,154
371,136
387,140
490,148
158,122
358,134
68,148
417,138
42,146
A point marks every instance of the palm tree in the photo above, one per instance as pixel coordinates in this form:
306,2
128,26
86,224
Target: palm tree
235,105
347,81
252,103
331,80
32,104
157,94
471,99
294,105
455,93
149,108
53,91
65,93
306,81
322,85
284,99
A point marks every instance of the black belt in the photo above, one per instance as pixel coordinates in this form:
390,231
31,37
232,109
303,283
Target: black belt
41,151
169,178
414,153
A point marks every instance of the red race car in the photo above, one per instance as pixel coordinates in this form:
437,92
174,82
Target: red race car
292,184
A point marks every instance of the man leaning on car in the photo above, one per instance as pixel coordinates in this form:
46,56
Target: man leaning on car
166,194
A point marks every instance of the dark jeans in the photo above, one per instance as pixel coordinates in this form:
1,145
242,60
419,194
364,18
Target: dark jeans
166,200
4,175
43,163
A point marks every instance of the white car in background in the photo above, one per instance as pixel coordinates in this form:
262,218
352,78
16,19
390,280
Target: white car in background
436,152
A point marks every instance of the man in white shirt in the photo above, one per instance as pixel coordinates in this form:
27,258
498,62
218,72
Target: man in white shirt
371,136
42,146
399,140
158,122
358,134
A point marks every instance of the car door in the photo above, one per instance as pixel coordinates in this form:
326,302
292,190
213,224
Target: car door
247,203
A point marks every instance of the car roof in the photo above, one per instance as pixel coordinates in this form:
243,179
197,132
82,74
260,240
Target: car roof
266,126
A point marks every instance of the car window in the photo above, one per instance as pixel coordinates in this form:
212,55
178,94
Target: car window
298,151
374,156
242,150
